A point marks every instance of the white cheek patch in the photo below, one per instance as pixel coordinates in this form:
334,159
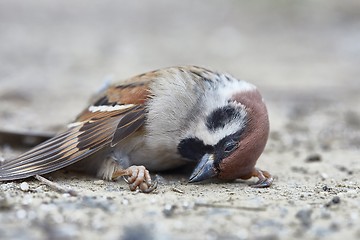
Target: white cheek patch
105,108
210,137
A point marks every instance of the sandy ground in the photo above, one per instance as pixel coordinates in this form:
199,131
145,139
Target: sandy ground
303,55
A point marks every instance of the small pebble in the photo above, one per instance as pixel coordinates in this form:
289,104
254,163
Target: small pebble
313,158
335,200
324,176
326,188
24,186
344,169
99,182
174,189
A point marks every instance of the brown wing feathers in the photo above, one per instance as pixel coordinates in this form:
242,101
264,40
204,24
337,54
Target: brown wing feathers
40,160
76,143
129,124
114,116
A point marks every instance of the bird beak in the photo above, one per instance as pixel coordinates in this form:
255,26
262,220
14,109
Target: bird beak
204,170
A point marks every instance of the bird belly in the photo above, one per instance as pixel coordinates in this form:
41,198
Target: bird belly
155,156
156,159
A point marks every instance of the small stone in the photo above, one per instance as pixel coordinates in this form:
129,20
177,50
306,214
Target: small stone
99,182
344,169
326,188
324,176
335,200
24,186
313,158
178,190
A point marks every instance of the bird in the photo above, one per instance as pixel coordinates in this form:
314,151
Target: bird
157,121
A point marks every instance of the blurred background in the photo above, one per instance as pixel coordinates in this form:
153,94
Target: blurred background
55,54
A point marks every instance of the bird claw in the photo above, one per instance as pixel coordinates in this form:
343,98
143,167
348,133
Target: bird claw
139,177
144,187
148,189
265,178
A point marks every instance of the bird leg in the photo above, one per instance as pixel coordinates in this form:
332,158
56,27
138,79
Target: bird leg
136,176
265,178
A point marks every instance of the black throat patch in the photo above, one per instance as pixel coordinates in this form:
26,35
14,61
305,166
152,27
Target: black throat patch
193,148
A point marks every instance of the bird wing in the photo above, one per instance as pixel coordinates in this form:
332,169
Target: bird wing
112,118
115,115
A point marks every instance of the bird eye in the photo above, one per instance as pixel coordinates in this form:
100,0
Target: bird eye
230,146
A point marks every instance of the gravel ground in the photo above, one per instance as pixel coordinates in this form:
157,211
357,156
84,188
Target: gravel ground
303,55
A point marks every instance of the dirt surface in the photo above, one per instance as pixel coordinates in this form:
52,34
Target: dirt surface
303,55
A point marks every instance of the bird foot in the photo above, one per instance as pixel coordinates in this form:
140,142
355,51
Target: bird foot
265,178
137,177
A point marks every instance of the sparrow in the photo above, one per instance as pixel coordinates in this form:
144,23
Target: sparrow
157,121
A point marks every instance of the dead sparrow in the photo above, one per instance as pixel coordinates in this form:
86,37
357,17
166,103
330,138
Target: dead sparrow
160,120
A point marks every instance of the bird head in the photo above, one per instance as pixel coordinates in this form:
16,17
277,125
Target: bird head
230,138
